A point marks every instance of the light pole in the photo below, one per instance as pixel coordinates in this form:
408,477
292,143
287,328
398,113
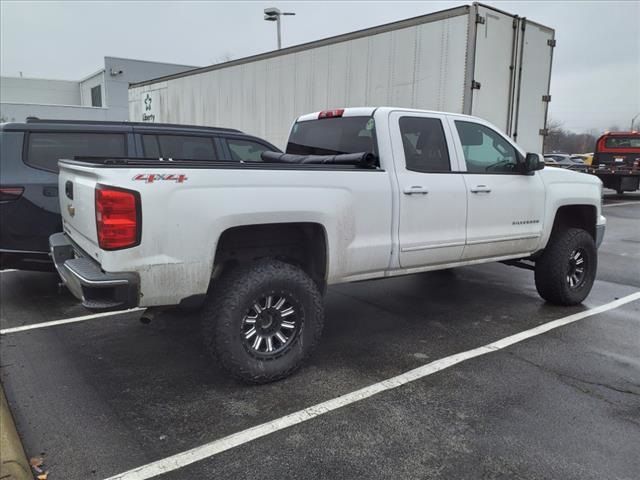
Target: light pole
273,15
633,120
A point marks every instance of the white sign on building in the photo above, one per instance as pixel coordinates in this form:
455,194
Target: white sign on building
150,106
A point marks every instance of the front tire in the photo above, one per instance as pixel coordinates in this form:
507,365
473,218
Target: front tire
565,272
263,320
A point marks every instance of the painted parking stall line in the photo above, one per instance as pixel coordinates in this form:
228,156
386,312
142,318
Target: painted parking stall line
54,323
215,447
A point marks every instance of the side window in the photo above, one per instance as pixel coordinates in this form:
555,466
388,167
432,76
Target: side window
186,147
150,146
425,146
45,149
246,150
486,151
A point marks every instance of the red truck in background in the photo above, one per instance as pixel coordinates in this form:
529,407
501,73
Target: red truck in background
616,161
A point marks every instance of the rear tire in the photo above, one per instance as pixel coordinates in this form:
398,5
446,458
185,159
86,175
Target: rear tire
565,272
262,320
619,191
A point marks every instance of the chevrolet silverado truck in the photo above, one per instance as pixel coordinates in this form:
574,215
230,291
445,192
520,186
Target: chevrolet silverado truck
361,193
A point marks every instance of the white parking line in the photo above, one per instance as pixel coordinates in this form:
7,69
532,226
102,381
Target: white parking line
7,270
620,204
53,323
188,457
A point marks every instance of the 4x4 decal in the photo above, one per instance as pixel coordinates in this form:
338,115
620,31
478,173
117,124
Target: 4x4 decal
156,177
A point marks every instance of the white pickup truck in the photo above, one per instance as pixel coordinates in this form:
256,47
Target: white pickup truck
361,193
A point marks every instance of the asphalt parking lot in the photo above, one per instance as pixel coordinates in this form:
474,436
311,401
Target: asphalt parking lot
100,397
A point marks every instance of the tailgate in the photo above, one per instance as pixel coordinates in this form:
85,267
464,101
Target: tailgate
623,161
76,184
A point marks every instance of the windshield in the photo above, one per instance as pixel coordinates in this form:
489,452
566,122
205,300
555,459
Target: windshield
333,136
622,142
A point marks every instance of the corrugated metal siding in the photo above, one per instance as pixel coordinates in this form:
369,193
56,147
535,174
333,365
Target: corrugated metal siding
421,66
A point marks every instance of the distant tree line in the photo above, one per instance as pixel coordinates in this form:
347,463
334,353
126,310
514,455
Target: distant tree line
565,141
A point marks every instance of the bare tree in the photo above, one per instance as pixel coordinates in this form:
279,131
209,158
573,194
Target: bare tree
561,140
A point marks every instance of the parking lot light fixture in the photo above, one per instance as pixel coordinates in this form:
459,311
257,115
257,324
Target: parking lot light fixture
273,14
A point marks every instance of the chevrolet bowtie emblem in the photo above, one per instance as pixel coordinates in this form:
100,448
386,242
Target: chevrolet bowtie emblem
71,209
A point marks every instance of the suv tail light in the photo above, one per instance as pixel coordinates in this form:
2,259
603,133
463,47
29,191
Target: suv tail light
10,194
118,217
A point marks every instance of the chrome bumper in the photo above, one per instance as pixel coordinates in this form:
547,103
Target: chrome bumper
98,290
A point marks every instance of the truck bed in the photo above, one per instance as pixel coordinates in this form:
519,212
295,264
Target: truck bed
185,204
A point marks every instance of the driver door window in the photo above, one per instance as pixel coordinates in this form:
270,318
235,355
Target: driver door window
486,151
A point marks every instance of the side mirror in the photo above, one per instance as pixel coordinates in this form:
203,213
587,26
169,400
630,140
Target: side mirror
533,162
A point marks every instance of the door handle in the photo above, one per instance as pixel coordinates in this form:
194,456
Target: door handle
480,189
415,189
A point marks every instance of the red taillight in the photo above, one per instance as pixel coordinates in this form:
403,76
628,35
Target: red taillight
117,217
331,113
10,194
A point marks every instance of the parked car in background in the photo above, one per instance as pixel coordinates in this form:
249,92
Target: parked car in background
565,160
361,193
586,158
616,161
29,153
557,159
550,161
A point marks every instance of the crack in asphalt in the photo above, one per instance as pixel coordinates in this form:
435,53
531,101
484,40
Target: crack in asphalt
563,376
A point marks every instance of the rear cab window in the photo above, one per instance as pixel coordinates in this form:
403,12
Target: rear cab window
622,142
333,136
424,144
44,149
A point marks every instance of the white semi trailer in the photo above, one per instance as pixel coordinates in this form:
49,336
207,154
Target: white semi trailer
472,59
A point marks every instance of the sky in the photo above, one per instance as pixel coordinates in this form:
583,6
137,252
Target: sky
596,67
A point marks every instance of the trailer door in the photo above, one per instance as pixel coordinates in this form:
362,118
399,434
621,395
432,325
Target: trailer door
530,112
493,75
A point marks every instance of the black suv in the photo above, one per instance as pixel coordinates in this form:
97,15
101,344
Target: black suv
29,153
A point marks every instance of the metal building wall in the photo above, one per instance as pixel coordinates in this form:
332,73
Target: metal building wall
420,66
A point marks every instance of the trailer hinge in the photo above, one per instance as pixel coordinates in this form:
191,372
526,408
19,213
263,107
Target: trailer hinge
544,132
515,22
551,42
546,98
475,85
479,18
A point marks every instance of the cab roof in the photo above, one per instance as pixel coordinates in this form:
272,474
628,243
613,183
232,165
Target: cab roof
69,125
369,111
632,133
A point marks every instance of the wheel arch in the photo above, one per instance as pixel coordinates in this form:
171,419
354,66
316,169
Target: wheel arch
304,244
584,216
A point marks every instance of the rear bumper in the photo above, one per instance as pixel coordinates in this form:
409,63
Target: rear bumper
98,290
625,180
